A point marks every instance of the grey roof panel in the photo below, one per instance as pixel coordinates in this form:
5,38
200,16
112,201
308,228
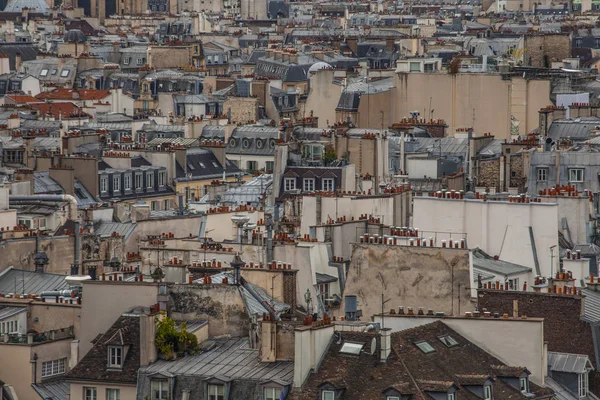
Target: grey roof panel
55,390
324,278
570,363
591,305
9,311
485,262
29,282
106,229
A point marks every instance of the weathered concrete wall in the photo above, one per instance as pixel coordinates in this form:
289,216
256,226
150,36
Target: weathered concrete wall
243,109
542,50
19,253
415,277
221,305
323,97
51,316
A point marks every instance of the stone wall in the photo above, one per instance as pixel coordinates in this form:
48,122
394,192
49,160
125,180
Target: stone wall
542,50
289,288
19,253
489,173
564,331
243,109
221,305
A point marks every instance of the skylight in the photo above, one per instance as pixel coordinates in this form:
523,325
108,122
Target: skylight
449,341
351,348
425,347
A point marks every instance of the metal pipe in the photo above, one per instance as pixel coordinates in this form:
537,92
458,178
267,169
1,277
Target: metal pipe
77,246
54,293
53,198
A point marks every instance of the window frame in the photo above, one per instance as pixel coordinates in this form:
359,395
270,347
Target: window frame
116,183
325,184
149,180
139,177
93,393
310,187
540,172
216,395
56,367
452,396
577,171
161,389
162,179
289,184
487,392
111,392
44,72
272,395
103,184
116,353
583,384
329,393
127,182
65,73
524,384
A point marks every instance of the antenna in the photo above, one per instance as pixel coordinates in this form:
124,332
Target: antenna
383,301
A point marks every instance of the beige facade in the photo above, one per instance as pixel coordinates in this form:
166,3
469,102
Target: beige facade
77,390
161,57
324,95
243,109
483,101
105,301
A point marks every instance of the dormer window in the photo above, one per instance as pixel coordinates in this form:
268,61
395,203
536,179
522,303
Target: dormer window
524,385
487,392
583,384
216,392
272,393
452,396
327,395
115,357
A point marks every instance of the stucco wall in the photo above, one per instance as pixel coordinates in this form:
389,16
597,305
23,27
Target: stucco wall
412,276
77,390
323,97
105,301
497,227
19,253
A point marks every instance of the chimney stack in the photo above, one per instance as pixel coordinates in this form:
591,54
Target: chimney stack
386,345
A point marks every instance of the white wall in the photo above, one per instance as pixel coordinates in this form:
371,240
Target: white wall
497,227
419,168
310,346
515,342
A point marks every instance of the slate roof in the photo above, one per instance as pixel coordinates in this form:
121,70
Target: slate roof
9,311
253,140
570,363
229,358
250,192
591,306
106,229
411,370
73,94
30,282
203,164
485,262
576,129
27,51
93,365
55,390
43,184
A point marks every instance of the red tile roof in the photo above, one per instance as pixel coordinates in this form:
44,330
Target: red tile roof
62,109
73,94
22,98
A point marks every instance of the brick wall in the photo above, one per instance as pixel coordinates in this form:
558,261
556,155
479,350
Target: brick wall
564,331
542,50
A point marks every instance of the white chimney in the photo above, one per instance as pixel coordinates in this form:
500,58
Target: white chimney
74,354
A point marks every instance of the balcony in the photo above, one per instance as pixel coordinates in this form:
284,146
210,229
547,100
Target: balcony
39,337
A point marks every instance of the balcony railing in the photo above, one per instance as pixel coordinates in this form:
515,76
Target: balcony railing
38,337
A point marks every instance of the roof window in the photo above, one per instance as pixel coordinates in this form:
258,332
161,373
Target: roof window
352,348
448,340
425,347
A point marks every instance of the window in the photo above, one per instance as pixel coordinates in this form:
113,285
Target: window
54,71
351,348
89,393
42,223
272,393
392,398
216,392
149,179
113,394
139,181
116,183
449,341
576,175
64,74
289,184
415,67
487,392
103,184
513,284
44,72
269,166
324,291
578,42
54,367
127,60
425,347
115,357
308,184
327,395
252,165
542,174
583,384
451,396
154,205
162,178
140,61
127,182
327,185
165,204
160,389
524,386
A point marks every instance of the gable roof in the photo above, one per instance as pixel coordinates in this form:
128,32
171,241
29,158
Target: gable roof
22,98
74,94
125,331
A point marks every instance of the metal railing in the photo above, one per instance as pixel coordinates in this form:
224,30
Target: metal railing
39,337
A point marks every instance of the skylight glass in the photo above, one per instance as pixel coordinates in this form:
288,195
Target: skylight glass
449,341
425,347
351,348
